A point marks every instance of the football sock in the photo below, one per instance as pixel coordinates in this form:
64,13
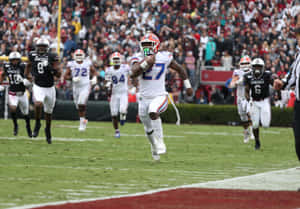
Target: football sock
14,118
27,119
157,126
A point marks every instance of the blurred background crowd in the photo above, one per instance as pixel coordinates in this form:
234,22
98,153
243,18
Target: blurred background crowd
201,34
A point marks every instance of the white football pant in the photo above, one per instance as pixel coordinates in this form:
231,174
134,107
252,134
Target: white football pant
260,112
19,100
118,103
81,95
45,95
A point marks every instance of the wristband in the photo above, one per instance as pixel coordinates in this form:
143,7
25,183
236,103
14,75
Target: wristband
144,64
187,83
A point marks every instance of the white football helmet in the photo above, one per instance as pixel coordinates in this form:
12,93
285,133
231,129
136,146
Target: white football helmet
79,55
258,66
245,63
14,56
115,59
42,45
149,44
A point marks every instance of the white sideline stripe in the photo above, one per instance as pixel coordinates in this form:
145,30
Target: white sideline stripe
165,136
227,133
73,126
211,184
54,138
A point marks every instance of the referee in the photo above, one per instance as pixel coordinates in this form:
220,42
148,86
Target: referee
293,79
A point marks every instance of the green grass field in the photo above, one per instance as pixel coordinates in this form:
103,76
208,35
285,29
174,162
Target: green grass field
91,164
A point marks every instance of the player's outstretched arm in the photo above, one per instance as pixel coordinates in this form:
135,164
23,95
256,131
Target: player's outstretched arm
57,69
27,72
183,75
247,92
2,76
93,75
67,75
138,68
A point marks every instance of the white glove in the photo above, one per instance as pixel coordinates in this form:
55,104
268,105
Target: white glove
76,79
94,80
108,84
2,88
26,82
132,90
240,80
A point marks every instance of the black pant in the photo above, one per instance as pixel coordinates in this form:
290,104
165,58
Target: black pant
296,127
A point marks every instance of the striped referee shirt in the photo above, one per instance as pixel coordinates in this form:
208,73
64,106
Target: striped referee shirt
294,76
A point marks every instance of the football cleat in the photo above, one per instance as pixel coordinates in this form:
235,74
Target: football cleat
155,156
16,130
117,134
36,129
257,145
246,136
82,125
29,132
48,135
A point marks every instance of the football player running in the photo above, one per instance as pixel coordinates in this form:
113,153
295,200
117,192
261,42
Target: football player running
80,70
116,77
238,83
257,94
150,67
42,69
17,97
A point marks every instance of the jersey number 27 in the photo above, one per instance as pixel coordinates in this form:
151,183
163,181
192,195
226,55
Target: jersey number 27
157,69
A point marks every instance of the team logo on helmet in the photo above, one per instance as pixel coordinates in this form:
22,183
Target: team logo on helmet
258,66
79,55
42,46
245,63
149,44
115,59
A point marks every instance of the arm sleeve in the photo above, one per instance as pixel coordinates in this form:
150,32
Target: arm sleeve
290,80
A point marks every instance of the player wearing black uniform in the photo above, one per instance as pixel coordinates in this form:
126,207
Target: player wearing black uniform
43,66
257,93
14,70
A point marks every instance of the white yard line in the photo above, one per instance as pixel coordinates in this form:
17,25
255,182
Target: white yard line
227,133
73,126
288,179
54,139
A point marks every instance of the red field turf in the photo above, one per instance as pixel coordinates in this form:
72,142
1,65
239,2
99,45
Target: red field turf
192,198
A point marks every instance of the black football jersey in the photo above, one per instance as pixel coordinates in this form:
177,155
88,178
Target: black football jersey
15,76
42,68
259,86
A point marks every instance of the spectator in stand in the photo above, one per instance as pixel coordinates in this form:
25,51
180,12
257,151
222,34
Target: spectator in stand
210,51
226,61
190,63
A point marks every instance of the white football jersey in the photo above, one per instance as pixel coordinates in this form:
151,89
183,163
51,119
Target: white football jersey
152,82
118,78
82,70
240,88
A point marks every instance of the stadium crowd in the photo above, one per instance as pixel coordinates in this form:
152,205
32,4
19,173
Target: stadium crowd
199,33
